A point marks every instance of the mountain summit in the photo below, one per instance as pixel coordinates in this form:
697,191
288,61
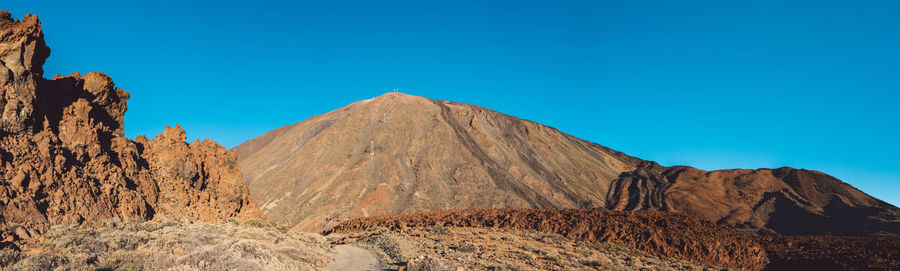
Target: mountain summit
399,153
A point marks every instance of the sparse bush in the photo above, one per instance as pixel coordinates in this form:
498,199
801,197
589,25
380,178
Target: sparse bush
593,263
124,260
440,229
527,247
467,248
629,262
584,252
10,257
40,261
427,263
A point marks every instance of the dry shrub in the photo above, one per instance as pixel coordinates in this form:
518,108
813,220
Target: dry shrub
428,263
169,245
10,257
40,261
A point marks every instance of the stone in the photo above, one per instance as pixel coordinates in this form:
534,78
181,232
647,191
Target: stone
64,157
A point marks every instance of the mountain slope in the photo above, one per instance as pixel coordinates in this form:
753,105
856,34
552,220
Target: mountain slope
64,157
784,200
399,153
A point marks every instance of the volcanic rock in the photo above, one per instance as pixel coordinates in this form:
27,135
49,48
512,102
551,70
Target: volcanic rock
784,200
64,157
665,234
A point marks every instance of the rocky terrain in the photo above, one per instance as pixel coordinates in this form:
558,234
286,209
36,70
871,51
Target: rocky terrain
399,153
661,234
784,200
832,252
64,157
256,245
671,241
439,248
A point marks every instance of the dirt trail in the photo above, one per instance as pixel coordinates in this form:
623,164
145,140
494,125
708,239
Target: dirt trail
353,258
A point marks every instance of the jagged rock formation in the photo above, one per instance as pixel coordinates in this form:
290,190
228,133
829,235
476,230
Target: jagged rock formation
784,200
399,153
64,157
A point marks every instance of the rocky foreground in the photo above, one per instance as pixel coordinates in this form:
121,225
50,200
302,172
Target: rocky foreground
456,248
506,239
65,160
659,234
256,245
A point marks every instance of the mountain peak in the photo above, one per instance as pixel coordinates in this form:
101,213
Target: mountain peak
394,97
399,153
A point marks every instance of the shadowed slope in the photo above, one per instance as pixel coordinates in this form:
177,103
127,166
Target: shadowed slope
784,200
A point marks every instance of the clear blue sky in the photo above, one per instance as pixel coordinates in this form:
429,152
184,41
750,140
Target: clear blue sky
712,84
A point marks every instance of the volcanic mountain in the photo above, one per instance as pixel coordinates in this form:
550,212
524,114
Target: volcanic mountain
64,157
398,153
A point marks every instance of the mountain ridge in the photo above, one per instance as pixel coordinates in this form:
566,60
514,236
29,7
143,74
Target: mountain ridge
520,163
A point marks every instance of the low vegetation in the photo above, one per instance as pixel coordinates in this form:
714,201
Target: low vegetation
170,245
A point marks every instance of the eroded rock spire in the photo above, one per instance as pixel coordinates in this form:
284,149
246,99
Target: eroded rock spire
64,157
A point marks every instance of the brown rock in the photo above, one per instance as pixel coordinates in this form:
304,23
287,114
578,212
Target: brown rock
784,200
64,158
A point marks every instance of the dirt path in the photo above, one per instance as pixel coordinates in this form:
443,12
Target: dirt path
353,258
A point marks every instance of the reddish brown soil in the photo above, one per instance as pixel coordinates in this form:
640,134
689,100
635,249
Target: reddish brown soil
832,252
662,234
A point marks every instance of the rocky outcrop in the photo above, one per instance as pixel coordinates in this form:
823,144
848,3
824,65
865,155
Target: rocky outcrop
64,157
640,189
784,200
399,153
